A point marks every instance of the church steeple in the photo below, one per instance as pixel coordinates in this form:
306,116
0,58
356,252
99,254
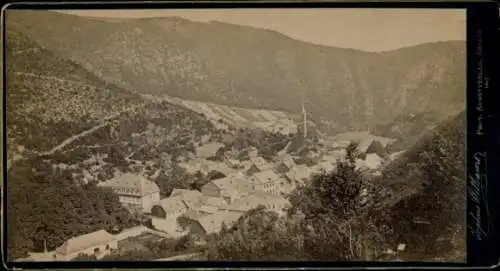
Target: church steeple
304,113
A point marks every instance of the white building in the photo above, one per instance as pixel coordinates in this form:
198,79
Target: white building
99,244
266,181
135,192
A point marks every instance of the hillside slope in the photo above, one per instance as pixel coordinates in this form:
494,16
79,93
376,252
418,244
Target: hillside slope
407,129
427,187
67,130
249,67
54,104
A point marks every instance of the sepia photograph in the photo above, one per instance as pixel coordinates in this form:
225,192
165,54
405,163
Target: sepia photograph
333,134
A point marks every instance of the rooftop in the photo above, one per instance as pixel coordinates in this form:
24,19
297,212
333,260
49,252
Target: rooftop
171,204
82,242
255,199
213,201
229,182
261,163
213,223
131,184
373,161
177,192
264,177
194,215
192,198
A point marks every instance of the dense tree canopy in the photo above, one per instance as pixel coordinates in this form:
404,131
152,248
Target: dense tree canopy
177,177
258,235
46,207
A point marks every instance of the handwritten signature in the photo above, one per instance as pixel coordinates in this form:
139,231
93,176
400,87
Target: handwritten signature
478,194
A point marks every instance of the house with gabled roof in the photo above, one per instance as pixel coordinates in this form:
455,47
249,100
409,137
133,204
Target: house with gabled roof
242,205
134,191
372,145
370,164
98,243
211,204
210,224
228,188
373,161
257,164
168,208
192,199
285,164
166,211
259,198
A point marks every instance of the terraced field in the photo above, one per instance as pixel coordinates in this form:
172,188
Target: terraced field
234,116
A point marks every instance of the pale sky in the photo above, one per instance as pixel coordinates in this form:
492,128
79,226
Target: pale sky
364,29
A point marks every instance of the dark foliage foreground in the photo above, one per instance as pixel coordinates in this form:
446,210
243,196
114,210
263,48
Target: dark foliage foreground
326,222
419,200
45,208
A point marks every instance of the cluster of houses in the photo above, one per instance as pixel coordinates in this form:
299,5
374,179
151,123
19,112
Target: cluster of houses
240,188
243,184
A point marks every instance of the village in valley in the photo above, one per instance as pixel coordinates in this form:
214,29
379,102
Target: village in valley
161,139
239,183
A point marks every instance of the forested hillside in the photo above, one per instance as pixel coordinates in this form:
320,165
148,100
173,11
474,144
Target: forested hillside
428,186
68,130
250,67
407,129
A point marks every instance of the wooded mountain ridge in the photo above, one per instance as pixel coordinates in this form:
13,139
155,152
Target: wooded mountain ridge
250,67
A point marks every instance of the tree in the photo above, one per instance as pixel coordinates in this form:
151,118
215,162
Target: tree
84,257
46,207
184,221
334,225
220,154
352,152
331,205
258,235
199,181
176,178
